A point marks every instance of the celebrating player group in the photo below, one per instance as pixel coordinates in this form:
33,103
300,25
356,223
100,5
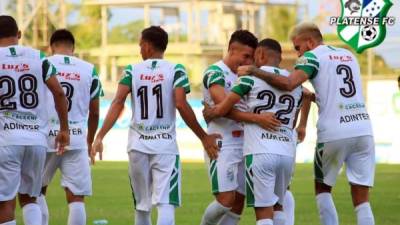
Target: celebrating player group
49,113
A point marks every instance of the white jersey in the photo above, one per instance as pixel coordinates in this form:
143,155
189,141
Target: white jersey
335,75
152,83
80,82
231,131
261,97
23,115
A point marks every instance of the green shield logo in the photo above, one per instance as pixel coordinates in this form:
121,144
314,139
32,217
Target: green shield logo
362,23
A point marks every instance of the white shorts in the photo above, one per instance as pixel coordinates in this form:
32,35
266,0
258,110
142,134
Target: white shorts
75,171
226,173
155,179
267,178
359,155
21,170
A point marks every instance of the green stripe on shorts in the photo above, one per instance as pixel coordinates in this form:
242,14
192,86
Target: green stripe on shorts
133,193
319,175
174,184
214,176
249,181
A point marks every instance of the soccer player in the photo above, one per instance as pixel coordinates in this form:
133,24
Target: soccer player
344,127
157,87
25,75
269,154
82,88
227,171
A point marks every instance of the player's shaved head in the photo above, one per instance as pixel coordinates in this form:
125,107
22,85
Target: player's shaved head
268,53
62,36
156,36
306,30
271,44
8,27
244,37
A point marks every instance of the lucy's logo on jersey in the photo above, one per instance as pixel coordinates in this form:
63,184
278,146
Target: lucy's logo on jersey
362,24
15,67
341,58
70,75
153,78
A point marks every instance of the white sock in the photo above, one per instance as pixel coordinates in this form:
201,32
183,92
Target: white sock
230,218
9,223
364,214
32,214
288,207
142,218
41,201
279,218
77,213
327,209
213,214
166,214
265,222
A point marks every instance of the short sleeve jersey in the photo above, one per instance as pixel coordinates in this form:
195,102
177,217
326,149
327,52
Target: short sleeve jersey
261,97
23,96
335,76
231,131
81,84
152,84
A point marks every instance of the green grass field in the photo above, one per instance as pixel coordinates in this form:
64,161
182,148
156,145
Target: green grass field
112,199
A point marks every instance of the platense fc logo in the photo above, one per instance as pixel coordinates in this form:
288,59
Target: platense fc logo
362,23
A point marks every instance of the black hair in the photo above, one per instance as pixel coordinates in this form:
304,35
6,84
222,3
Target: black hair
244,37
156,36
9,27
62,36
271,44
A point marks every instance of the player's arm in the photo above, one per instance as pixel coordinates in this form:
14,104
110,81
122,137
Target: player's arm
308,97
60,102
307,67
94,114
117,105
224,106
181,87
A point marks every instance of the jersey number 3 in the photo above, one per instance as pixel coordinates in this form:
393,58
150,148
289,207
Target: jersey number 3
348,80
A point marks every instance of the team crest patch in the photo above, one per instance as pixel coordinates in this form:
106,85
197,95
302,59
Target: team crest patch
302,61
362,23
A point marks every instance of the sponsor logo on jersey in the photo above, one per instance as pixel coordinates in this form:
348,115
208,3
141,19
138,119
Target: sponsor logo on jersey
18,126
341,58
276,137
142,127
70,75
153,78
362,23
26,116
354,117
155,137
351,106
72,131
15,67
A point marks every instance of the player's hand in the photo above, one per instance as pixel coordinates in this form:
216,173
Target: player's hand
301,134
245,70
210,145
62,141
208,113
92,154
97,147
268,121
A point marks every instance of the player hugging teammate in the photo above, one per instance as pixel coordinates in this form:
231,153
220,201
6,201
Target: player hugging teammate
251,106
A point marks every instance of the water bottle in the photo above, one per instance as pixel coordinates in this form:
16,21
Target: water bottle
100,222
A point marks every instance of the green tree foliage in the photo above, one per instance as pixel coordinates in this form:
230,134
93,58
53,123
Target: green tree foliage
88,29
126,33
280,20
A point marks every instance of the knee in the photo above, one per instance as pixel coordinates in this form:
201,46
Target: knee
227,199
73,198
7,209
25,199
322,188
